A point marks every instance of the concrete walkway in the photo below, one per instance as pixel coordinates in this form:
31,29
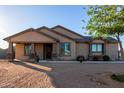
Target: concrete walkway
84,62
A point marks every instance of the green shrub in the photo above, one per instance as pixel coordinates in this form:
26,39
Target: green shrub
119,78
95,58
80,58
106,58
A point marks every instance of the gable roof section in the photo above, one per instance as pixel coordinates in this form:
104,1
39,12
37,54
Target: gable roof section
59,26
48,36
81,40
44,27
29,30
89,39
110,39
20,33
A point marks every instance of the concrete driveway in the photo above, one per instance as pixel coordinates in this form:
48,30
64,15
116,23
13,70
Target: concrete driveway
68,75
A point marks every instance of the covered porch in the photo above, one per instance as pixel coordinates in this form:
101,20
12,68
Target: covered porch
29,44
27,51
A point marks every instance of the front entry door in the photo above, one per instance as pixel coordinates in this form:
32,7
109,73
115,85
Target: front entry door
47,51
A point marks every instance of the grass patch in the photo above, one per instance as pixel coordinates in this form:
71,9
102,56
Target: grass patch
119,78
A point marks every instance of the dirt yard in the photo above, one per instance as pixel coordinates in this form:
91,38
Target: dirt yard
85,75
24,75
47,75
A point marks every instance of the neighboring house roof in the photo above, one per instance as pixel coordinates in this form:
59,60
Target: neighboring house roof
29,30
59,26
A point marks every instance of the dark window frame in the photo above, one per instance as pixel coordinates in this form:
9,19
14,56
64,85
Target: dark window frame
25,50
97,48
60,53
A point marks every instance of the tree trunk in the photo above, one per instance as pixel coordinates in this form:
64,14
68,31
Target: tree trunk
121,47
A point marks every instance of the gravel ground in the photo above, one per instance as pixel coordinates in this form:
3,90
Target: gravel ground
67,75
24,75
85,75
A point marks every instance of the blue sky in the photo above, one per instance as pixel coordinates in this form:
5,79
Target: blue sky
14,19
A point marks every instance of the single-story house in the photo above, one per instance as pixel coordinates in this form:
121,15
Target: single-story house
59,43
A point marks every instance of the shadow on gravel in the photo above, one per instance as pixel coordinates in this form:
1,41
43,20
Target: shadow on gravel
34,66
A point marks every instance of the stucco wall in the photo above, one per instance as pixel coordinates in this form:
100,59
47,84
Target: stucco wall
76,48
97,41
59,37
31,37
34,37
63,31
63,39
39,50
112,50
73,53
19,51
82,49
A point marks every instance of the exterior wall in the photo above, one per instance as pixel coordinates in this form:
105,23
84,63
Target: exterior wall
97,41
31,37
77,49
73,53
62,39
112,50
59,37
65,32
82,49
96,54
19,51
39,50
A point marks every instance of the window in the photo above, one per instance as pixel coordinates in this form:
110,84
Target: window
97,48
65,49
27,49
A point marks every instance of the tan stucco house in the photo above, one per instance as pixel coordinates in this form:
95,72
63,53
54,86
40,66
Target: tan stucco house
59,43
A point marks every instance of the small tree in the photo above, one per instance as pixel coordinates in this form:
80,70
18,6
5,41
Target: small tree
106,21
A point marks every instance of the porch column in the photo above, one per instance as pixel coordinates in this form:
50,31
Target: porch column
32,48
10,52
32,56
54,51
104,48
90,45
58,49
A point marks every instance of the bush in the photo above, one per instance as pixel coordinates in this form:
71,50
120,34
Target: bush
119,78
37,58
80,58
34,57
95,58
106,58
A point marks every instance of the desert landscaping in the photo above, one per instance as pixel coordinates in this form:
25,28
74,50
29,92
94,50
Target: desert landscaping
15,75
60,75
